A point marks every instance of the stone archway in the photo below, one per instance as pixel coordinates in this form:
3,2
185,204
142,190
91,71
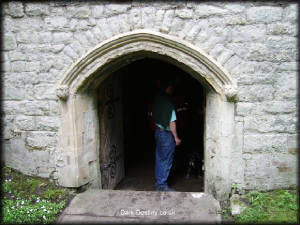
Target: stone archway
79,142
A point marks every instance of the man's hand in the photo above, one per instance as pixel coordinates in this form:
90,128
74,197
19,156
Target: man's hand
173,130
177,141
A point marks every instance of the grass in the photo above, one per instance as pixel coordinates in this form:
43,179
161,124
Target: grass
277,206
27,199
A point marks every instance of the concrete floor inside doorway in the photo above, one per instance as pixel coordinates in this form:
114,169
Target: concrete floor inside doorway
139,176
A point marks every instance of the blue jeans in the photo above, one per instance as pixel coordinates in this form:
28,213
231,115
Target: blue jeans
164,155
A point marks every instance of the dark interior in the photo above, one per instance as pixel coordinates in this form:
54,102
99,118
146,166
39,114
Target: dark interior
139,86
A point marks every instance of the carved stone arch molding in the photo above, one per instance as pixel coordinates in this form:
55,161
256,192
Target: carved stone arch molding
79,133
146,40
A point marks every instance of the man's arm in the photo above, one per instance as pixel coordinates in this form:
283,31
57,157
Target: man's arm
174,132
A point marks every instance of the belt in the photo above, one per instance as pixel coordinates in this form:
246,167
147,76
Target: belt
162,129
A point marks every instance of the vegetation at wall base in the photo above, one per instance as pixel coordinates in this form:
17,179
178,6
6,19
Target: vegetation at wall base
27,199
278,206
269,207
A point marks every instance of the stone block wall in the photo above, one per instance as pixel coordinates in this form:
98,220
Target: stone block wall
255,41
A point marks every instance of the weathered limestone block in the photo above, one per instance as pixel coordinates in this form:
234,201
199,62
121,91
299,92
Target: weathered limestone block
26,23
234,7
8,125
279,42
217,50
187,31
270,123
256,79
124,23
233,64
286,86
36,9
246,108
32,66
13,92
79,25
264,171
247,33
115,9
34,108
25,122
159,16
282,29
256,93
203,11
70,52
293,147
58,11
80,12
287,66
235,20
47,123
275,107
257,52
184,13
62,38
10,107
225,56
57,23
46,64
40,140
18,66
9,42
19,79
148,17
97,11
177,25
45,91
167,21
17,55
265,143
16,9
254,68
264,14
77,47
291,12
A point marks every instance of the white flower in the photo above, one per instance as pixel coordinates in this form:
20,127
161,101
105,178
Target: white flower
45,210
43,207
44,217
37,200
22,202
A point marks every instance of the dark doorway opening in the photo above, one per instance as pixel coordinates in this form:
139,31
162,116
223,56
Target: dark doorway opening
140,80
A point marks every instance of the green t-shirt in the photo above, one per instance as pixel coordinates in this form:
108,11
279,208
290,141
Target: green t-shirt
162,110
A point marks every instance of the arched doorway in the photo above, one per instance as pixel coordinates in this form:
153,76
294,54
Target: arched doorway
138,83
80,131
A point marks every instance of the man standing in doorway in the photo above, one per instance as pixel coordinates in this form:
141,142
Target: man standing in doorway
166,138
